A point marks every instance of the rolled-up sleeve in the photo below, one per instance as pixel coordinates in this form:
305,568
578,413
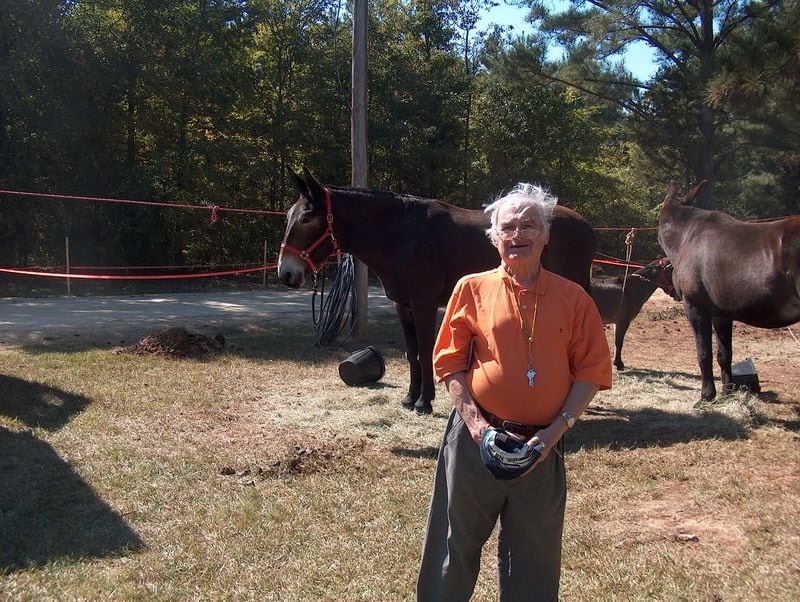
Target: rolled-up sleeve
590,360
452,345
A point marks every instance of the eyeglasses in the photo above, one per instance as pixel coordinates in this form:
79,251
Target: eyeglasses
508,231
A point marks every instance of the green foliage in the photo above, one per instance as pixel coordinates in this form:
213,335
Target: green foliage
208,102
688,38
418,95
758,85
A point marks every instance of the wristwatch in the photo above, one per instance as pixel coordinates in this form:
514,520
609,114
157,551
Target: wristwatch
569,418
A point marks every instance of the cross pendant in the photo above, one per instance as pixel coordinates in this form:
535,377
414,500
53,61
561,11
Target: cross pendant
530,374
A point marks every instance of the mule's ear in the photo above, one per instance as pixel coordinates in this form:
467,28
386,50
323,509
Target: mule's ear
316,191
690,196
299,183
672,192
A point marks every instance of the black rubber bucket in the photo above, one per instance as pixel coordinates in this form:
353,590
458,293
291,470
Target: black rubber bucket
363,366
745,376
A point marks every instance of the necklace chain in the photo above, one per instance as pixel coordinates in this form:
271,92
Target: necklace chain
531,373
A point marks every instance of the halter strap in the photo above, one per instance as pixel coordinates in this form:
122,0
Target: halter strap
305,255
661,280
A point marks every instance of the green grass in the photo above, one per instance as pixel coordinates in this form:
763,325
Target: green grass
258,475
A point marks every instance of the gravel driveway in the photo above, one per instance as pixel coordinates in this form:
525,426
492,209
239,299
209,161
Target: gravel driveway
117,319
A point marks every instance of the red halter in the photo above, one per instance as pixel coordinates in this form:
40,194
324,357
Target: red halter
665,282
661,279
305,255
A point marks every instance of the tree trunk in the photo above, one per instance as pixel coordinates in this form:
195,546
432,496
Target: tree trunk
706,118
358,145
131,122
183,144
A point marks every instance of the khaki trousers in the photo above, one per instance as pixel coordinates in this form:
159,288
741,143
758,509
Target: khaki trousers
467,501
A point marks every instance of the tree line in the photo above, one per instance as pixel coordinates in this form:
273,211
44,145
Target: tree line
210,101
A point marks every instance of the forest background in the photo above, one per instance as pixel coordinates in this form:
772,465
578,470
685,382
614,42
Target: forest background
208,102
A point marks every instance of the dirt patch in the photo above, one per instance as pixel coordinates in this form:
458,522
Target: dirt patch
673,519
177,343
296,460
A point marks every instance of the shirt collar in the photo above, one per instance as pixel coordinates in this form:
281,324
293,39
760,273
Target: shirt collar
545,278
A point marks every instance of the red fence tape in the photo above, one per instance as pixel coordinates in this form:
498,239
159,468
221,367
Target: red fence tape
133,276
619,262
213,208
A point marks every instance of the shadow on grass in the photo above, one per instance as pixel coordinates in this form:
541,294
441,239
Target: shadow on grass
298,342
48,512
660,375
38,405
769,397
788,424
264,339
423,453
632,429
619,428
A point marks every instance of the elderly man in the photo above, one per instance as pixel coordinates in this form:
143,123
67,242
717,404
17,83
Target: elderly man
521,349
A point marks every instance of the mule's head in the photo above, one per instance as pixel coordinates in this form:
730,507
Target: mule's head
308,239
672,217
659,272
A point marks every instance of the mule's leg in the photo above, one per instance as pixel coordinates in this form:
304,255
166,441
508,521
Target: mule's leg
701,325
723,327
412,355
620,328
425,323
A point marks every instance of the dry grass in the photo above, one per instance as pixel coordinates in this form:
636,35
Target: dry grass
258,475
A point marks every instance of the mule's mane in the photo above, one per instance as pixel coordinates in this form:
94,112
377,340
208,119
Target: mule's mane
690,212
388,196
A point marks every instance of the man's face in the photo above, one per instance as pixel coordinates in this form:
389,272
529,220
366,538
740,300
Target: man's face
520,233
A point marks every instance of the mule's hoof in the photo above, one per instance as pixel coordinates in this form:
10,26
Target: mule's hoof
423,407
703,402
408,403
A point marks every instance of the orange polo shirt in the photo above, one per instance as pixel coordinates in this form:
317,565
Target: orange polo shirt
569,343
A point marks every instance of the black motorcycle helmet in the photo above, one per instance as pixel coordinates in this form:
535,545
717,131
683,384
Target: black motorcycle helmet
506,457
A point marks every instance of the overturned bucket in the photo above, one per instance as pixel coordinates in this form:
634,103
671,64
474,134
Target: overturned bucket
363,366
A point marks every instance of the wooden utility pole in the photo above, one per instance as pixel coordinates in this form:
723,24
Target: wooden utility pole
358,145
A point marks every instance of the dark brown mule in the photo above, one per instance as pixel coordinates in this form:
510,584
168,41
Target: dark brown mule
619,301
418,248
729,270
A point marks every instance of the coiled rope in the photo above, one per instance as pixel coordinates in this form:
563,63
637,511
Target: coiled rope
338,309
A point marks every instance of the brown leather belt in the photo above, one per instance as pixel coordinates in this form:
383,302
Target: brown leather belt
525,430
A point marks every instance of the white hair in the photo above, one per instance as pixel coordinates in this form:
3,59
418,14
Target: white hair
530,195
